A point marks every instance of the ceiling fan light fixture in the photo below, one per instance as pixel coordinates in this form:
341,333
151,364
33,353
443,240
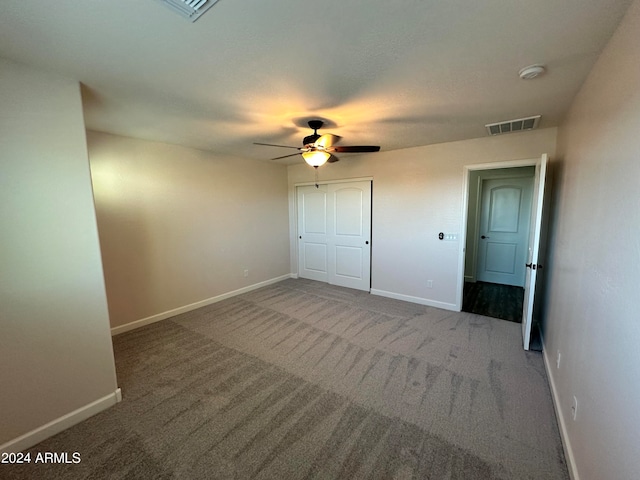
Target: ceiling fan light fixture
316,158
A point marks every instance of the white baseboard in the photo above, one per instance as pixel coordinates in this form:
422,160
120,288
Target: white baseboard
564,435
39,434
187,308
419,300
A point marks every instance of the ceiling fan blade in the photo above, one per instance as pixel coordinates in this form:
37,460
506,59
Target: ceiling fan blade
327,140
357,149
285,156
333,159
272,145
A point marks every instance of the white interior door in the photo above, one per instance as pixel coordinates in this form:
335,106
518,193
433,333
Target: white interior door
349,206
504,230
535,248
312,233
334,234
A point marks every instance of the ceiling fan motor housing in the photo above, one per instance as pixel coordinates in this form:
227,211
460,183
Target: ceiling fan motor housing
314,125
308,140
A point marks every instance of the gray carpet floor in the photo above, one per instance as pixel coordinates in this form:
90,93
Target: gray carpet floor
303,380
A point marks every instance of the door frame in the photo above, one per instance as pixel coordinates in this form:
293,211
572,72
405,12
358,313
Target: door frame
294,221
467,169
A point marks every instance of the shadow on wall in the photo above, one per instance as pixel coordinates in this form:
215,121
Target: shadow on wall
126,262
556,171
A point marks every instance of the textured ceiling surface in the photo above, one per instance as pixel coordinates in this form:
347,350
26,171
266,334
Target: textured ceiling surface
395,73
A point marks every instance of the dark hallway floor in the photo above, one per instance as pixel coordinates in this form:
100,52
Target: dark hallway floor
493,300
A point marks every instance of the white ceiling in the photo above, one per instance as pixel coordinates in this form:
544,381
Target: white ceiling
395,73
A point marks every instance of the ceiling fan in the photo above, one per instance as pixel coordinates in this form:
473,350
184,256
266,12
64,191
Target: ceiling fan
318,149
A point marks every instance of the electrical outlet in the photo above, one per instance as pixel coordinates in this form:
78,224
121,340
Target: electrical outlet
558,360
429,283
246,272
574,407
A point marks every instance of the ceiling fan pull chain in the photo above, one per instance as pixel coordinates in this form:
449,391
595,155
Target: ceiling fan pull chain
316,170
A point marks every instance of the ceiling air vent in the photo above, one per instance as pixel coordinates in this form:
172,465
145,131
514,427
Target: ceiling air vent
189,9
509,126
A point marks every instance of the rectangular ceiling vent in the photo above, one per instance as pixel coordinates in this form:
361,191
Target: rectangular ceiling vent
509,126
190,9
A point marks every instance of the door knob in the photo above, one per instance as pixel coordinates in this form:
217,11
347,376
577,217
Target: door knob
483,237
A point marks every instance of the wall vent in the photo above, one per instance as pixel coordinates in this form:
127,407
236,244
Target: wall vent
190,9
510,126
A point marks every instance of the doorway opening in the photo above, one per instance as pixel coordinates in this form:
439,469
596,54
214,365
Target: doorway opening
497,241
534,278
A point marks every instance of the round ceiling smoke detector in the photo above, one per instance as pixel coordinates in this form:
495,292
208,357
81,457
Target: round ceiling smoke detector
532,71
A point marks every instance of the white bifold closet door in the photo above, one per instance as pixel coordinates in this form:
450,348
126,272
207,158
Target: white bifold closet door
334,233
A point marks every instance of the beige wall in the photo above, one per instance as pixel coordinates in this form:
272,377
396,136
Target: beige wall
593,305
55,349
179,226
417,193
